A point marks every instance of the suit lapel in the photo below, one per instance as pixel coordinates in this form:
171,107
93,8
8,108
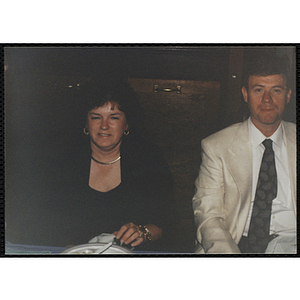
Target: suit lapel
240,167
290,138
240,161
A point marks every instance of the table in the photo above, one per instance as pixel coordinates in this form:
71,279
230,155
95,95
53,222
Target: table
17,249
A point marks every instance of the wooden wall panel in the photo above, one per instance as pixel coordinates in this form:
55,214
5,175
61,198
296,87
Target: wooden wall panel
177,122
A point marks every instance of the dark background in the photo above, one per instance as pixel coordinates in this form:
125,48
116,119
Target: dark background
42,120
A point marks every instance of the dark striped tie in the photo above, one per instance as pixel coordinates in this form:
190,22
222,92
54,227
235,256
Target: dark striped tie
266,192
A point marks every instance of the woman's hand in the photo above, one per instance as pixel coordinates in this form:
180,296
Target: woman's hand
130,233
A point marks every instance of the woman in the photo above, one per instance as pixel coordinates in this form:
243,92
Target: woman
119,183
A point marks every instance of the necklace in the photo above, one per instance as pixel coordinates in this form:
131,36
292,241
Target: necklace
106,163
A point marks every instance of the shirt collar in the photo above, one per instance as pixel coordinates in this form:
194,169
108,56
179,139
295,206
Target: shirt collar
257,137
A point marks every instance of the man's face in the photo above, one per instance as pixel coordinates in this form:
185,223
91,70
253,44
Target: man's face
267,97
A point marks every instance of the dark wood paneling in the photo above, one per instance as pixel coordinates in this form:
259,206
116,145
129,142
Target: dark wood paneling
177,122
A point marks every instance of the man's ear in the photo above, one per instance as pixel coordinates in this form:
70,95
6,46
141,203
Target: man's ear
245,94
288,96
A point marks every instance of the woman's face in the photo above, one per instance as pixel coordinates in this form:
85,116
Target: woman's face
106,125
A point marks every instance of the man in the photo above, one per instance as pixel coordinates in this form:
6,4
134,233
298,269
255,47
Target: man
239,208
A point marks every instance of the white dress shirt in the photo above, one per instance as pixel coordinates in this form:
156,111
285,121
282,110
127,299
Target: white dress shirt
283,219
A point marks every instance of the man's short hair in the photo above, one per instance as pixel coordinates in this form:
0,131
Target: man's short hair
265,65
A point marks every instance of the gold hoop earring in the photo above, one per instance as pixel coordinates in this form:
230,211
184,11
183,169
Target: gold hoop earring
126,132
85,132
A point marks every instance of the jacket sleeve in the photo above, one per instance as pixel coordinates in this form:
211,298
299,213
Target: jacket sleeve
208,205
150,184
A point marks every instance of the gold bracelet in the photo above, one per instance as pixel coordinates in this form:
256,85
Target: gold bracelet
146,232
141,232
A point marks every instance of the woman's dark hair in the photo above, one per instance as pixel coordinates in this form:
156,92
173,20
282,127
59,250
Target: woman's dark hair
94,94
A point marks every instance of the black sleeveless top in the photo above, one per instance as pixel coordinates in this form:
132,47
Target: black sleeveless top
145,196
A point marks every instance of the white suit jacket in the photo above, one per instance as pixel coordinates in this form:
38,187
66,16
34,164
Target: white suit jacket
224,186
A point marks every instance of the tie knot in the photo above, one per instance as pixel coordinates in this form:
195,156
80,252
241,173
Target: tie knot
267,143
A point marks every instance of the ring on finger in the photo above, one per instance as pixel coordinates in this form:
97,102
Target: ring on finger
140,232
